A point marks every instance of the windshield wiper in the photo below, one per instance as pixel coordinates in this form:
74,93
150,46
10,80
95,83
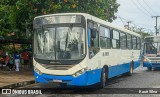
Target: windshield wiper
66,42
69,30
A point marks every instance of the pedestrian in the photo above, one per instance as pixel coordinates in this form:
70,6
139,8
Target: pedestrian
16,57
25,56
7,62
11,63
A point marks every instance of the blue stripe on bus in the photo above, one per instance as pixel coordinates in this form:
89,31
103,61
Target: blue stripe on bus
88,78
120,69
149,64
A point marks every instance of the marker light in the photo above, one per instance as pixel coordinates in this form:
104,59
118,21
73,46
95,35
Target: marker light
145,60
38,71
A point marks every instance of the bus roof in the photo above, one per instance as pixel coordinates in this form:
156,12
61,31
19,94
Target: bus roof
152,36
103,22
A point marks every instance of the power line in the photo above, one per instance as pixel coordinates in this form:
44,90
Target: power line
139,8
148,21
149,6
121,20
143,7
133,23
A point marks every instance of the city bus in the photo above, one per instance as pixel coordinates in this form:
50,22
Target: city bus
78,49
151,52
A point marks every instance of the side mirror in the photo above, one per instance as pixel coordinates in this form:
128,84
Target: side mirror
93,33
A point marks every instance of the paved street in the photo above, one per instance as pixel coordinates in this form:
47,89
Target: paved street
142,78
11,77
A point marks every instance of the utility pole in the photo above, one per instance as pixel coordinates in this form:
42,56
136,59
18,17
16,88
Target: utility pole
128,24
156,23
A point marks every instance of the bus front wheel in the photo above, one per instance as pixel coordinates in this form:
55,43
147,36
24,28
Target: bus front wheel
104,77
149,68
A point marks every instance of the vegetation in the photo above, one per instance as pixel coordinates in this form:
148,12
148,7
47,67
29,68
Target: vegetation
17,15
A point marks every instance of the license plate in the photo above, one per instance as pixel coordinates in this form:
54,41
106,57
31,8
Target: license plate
57,81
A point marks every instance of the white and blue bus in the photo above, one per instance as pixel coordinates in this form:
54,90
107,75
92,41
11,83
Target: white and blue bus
82,50
151,52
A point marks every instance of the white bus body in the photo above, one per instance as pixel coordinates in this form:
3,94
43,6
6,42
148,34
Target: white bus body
151,52
103,50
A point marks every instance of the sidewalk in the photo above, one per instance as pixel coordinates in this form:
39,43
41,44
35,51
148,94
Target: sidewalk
13,77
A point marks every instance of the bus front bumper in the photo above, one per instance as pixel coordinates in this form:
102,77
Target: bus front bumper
149,64
86,79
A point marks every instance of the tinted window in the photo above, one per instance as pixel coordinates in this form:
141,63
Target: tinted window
115,40
138,43
93,38
134,42
129,42
123,39
105,37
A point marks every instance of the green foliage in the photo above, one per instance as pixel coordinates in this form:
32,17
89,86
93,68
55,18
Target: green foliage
17,15
144,34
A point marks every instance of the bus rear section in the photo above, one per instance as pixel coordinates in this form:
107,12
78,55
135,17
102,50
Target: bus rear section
151,52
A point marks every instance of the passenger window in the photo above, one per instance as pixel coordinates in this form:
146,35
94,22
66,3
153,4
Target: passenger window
134,42
93,39
138,43
123,41
105,37
129,41
115,40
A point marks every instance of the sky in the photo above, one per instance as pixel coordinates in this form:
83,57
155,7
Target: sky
140,13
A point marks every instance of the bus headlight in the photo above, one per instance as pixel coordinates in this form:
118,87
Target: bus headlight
80,72
145,60
38,71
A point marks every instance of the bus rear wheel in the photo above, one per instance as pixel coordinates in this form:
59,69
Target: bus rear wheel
131,69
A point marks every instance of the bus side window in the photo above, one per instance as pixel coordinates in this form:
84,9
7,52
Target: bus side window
115,40
138,43
93,39
129,41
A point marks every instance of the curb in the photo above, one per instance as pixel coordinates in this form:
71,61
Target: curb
20,84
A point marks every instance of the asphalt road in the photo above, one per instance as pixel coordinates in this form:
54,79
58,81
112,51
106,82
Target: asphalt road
142,78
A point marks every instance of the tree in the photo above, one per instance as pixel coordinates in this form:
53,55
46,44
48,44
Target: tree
19,14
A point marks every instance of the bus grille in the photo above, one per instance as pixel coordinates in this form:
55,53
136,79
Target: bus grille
155,60
58,67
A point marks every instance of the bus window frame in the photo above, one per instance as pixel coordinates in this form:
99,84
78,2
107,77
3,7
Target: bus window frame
115,39
110,38
130,42
140,42
133,36
97,27
125,40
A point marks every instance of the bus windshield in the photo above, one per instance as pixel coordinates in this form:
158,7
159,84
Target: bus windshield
59,43
152,47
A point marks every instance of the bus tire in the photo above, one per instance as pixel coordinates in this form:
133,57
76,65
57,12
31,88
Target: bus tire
149,68
104,77
131,69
